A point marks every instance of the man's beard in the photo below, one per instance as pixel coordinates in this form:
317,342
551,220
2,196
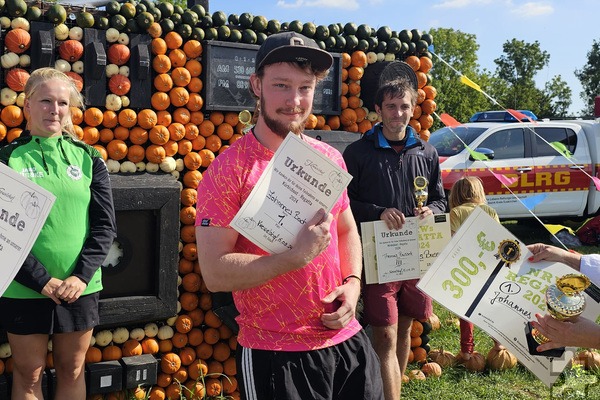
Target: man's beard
281,129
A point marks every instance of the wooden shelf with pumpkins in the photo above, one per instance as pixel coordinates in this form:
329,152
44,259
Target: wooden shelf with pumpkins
142,68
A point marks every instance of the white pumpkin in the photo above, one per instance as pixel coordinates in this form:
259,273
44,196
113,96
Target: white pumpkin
168,165
8,96
111,69
137,334
49,344
380,57
76,33
120,335
371,57
9,60
104,337
125,101
5,22
171,321
62,65
5,350
113,102
61,32
179,165
20,23
92,340
389,57
112,35
24,60
78,67
175,174
123,38
21,99
124,70
141,166
152,167
127,167
151,329
113,167
372,116
165,332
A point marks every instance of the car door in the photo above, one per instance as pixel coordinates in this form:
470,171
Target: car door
561,177
512,158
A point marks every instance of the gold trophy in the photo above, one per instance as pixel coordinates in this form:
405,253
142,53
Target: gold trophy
564,300
245,117
421,194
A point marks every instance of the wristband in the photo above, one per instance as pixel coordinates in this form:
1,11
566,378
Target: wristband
350,277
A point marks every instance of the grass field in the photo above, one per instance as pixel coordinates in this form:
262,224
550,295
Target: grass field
517,383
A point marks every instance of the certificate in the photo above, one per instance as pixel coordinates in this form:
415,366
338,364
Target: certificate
24,207
298,181
483,275
394,255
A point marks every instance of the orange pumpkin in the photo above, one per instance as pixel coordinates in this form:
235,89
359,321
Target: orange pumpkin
93,355
147,118
17,40
181,76
155,153
127,118
155,30
159,134
111,352
119,84
110,119
161,63
138,135
16,79
173,40
170,363
179,96
117,149
71,50
12,116
132,347
177,57
194,66
77,79
160,101
136,153
118,54
192,48
159,46
163,82
93,116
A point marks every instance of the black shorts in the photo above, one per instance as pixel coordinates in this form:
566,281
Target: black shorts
349,370
44,316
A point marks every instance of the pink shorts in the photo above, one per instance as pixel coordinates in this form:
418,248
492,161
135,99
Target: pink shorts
385,301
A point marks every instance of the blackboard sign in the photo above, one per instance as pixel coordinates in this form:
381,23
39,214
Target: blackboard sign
226,77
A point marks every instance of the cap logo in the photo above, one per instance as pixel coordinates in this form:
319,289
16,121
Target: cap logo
296,41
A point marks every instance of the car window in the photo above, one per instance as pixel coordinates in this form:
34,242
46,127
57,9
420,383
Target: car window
507,143
561,136
447,142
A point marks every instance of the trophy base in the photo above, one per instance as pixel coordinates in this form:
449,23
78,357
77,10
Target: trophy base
532,344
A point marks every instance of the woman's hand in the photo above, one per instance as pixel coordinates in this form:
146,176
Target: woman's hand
70,289
50,288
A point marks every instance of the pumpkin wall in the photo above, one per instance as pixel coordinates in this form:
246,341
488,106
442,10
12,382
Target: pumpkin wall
175,135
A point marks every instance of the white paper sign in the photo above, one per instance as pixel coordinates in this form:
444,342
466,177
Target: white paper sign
472,278
395,255
298,181
24,207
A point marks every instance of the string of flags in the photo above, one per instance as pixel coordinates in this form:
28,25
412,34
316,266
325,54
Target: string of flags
530,202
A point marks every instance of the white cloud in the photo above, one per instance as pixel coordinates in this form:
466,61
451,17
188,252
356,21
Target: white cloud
461,3
345,4
533,9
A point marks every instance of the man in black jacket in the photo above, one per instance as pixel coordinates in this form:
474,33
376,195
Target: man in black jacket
384,164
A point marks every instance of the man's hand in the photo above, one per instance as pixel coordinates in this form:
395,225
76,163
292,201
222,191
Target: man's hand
70,289
393,218
313,238
347,295
422,212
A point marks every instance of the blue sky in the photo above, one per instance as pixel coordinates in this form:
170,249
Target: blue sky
564,29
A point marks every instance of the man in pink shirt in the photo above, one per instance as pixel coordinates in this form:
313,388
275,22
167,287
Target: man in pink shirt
299,338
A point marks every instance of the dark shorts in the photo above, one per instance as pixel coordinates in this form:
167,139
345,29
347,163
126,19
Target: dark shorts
383,302
349,370
44,316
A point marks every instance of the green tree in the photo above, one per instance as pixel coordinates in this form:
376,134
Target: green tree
589,76
558,97
458,50
517,68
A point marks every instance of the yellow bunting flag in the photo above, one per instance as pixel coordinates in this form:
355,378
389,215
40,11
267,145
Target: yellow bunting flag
469,83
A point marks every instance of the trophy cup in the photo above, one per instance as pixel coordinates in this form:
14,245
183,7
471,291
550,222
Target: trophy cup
564,300
245,117
421,194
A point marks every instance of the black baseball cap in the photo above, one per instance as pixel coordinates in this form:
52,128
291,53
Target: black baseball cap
292,47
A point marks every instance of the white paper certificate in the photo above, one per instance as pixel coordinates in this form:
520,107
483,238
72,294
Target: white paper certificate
24,207
471,278
298,181
391,255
